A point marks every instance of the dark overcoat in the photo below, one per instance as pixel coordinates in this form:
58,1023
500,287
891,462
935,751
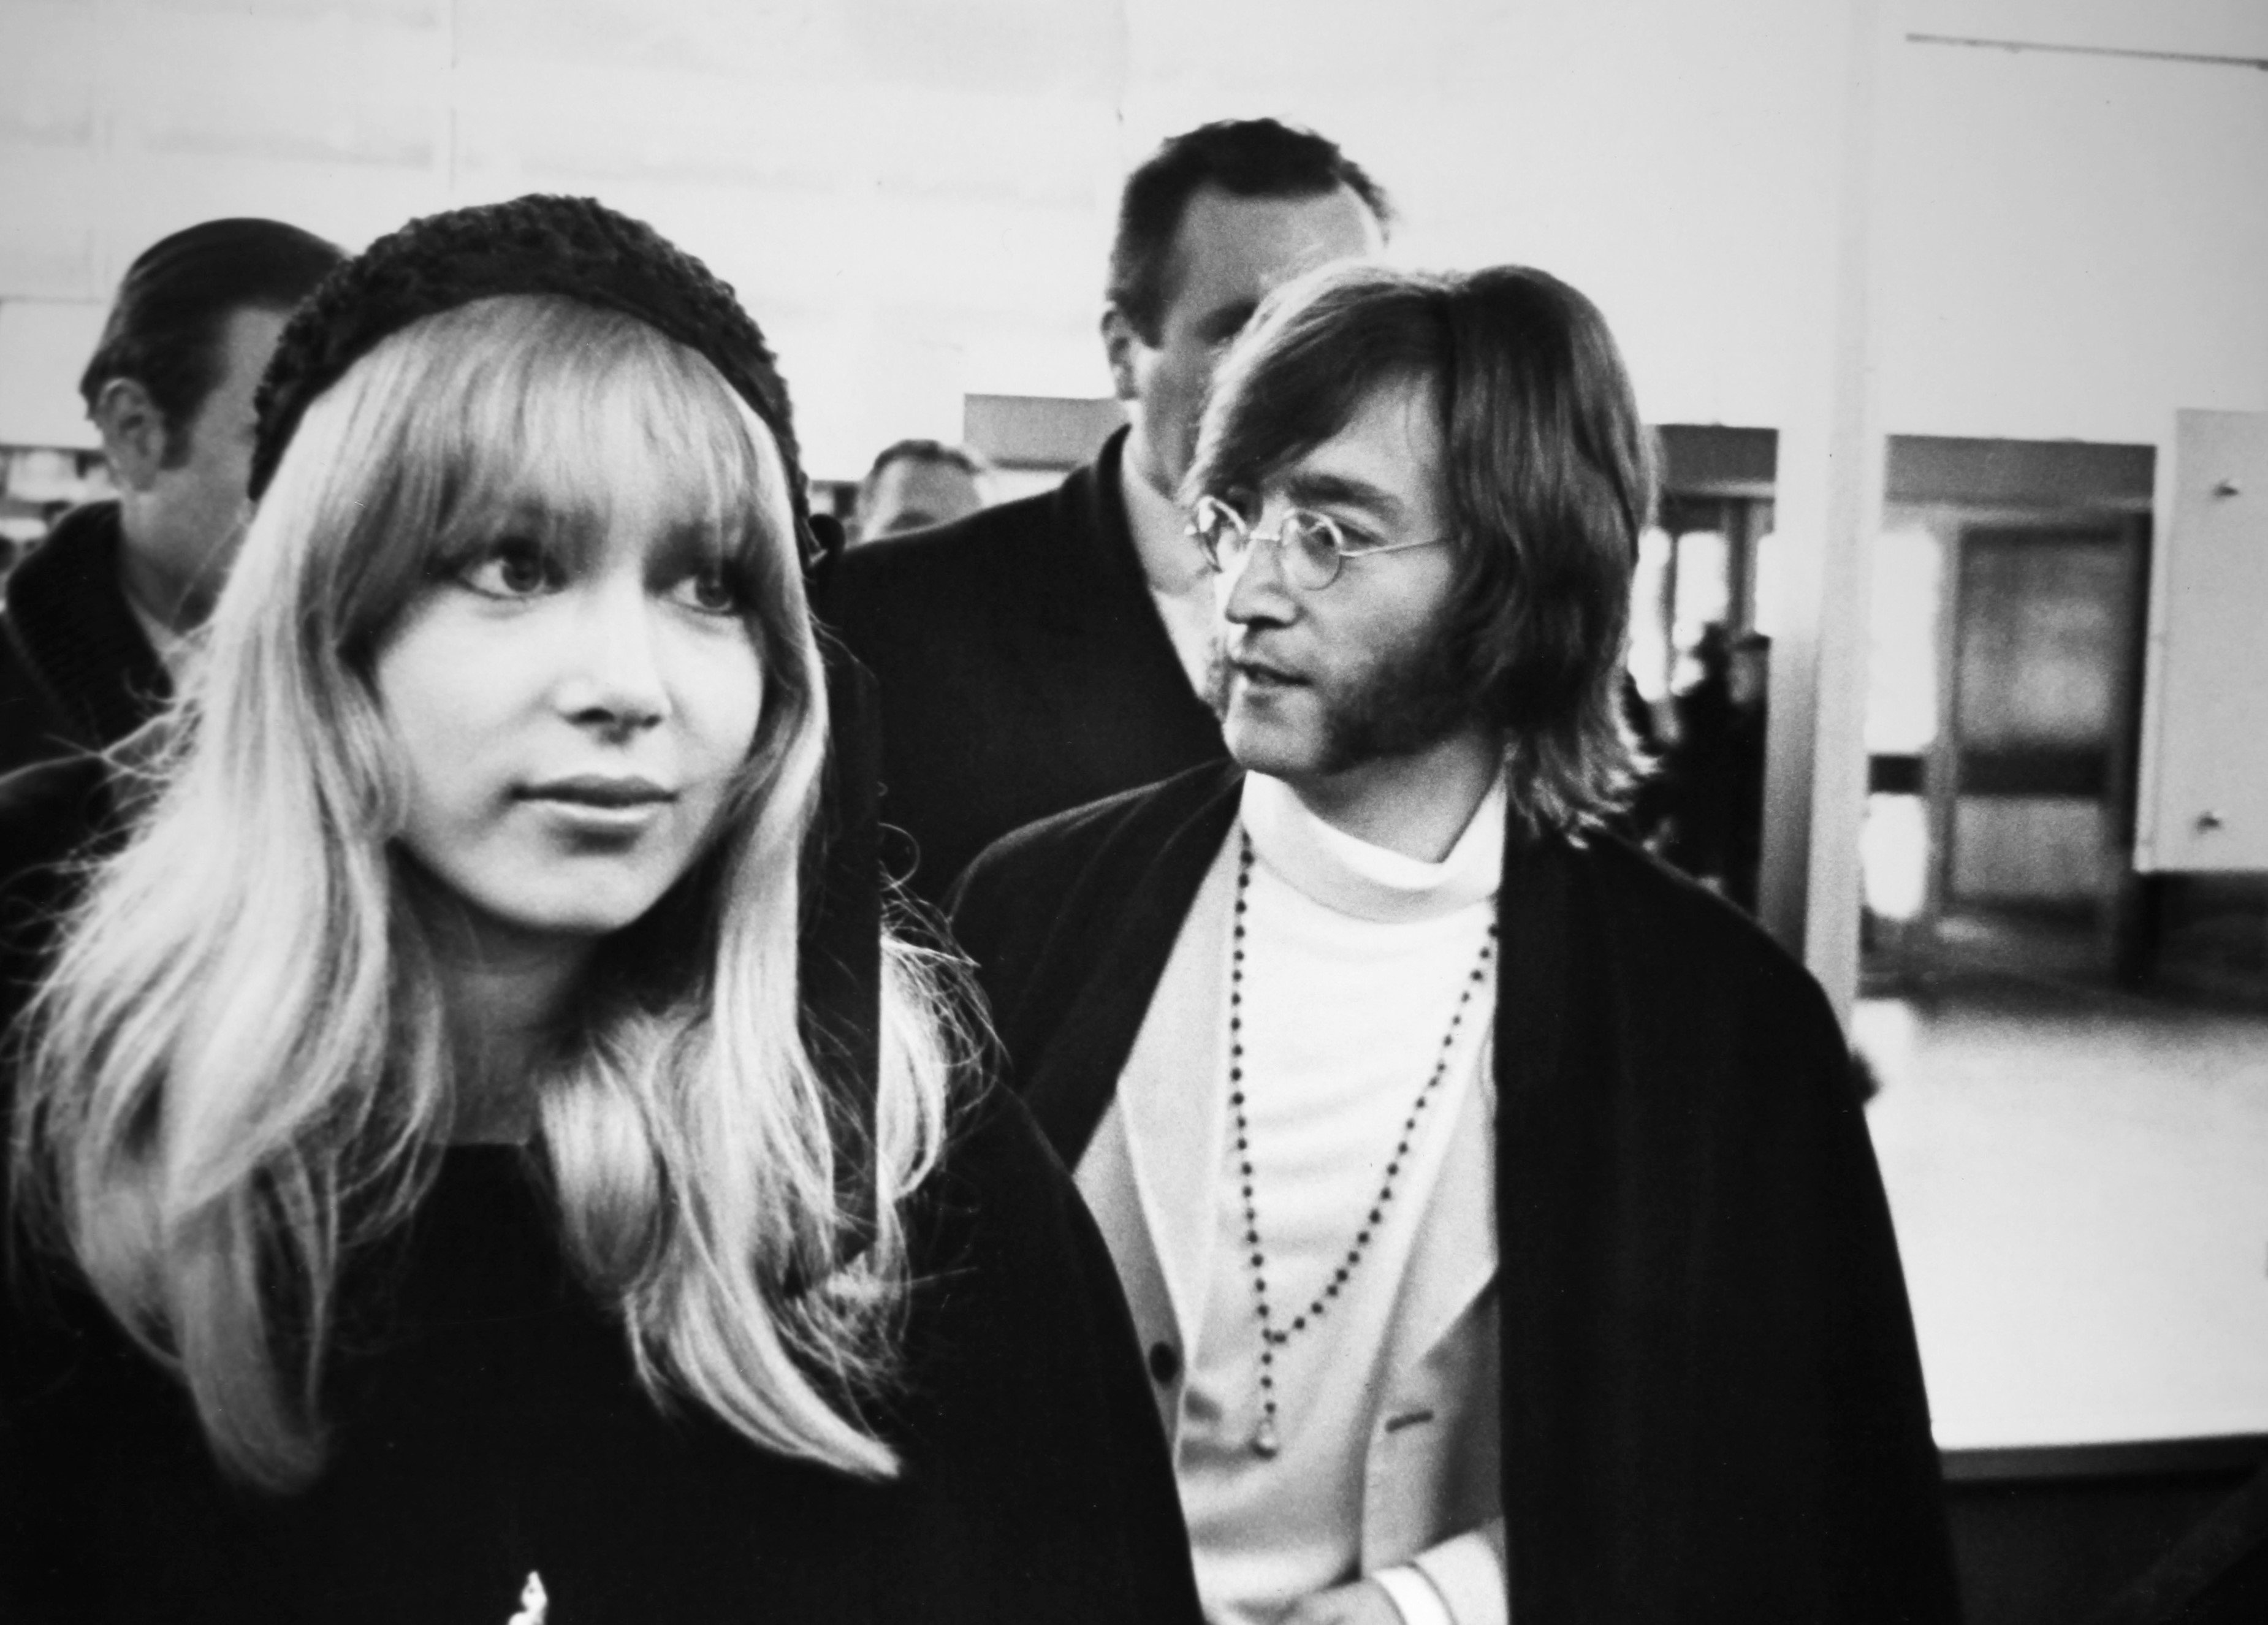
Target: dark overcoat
1023,668
76,671
1712,1402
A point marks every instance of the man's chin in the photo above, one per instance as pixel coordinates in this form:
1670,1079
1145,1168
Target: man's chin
1269,744
1276,735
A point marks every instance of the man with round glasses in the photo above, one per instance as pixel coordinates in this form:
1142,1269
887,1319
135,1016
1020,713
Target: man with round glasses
1313,545
1494,1206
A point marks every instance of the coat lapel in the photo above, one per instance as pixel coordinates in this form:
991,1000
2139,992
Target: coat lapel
1455,1258
1166,1144
1172,1104
75,637
1134,897
1103,659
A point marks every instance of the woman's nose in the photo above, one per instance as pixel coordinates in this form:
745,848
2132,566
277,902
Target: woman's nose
616,670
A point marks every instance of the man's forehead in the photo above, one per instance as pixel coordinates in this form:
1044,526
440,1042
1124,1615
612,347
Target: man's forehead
922,473
1229,248
247,338
1387,456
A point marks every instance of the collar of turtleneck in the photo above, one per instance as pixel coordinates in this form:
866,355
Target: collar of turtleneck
1329,866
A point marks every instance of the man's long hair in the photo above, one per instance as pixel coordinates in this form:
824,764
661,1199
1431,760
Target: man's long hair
1547,476
240,1069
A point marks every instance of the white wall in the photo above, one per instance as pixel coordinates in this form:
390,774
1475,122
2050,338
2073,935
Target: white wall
2074,245
915,195
1672,160
912,195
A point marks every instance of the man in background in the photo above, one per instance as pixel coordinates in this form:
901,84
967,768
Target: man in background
915,484
94,623
1053,650
1713,788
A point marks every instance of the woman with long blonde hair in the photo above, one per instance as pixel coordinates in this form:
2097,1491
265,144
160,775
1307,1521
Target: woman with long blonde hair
474,1146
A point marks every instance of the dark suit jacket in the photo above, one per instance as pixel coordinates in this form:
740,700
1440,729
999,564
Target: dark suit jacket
1712,1402
76,670
1023,668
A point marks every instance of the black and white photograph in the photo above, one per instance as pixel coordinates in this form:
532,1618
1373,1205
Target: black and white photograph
1261,812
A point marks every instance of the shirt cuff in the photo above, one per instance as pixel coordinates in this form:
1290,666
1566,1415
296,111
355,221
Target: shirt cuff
1467,1573
1413,1596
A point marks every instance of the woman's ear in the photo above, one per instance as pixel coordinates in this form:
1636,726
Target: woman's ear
134,434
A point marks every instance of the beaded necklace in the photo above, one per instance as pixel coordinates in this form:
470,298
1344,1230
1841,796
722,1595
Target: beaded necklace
1265,1439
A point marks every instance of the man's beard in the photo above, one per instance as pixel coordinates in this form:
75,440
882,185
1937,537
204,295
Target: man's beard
1412,698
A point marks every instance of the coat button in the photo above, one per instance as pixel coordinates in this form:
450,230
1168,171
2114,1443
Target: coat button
1165,1364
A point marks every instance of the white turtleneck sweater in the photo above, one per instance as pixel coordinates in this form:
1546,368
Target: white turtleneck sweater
1356,961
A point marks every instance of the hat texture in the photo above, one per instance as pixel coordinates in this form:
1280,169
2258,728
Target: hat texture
573,246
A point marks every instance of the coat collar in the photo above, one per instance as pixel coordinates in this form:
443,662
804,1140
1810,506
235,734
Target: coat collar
1080,1018
1093,572
1174,1136
1553,1015
1082,1014
67,614
1370,882
1171,1099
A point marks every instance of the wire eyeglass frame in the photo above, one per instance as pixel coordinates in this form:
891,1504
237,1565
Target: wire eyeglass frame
1311,545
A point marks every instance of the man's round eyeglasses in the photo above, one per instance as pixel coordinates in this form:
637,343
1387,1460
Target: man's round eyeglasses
1310,545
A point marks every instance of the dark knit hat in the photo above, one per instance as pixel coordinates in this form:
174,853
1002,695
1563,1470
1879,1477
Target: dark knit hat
574,246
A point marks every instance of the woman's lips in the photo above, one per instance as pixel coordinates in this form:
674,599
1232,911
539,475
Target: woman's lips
600,791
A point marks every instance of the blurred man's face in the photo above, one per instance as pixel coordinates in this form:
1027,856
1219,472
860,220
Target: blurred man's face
914,493
183,521
1229,253
1751,676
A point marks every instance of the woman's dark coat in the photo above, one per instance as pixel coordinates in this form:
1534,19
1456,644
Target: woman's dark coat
1713,1402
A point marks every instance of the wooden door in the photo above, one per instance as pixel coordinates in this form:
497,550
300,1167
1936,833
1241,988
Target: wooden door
2041,700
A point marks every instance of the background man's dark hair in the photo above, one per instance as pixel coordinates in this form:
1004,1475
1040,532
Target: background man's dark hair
1245,158
1547,471
165,326
920,450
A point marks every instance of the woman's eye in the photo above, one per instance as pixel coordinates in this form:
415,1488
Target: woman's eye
712,592
512,568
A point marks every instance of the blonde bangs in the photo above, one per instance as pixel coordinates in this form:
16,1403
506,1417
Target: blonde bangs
528,402
597,418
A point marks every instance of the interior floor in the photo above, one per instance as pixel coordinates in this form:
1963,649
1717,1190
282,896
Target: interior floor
2078,1176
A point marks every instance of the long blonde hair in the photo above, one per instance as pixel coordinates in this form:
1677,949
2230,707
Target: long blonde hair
237,1070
